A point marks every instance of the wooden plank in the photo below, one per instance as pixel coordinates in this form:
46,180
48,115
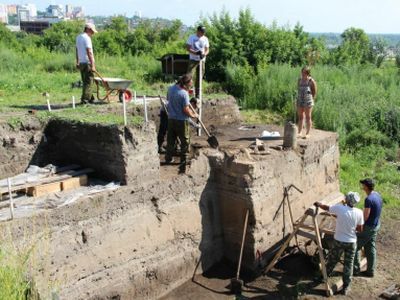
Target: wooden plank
74,183
327,231
307,235
44,189
55,178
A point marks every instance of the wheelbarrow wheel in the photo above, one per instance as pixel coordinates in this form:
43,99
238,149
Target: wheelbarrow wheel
125,96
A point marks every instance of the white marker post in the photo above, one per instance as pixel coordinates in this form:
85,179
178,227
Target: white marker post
199,104
11,198
124,108
73,102
134,96
48,104
145,109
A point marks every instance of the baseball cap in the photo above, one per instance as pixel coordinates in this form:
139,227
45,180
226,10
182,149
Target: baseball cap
201,28
91,26
368,182
352,198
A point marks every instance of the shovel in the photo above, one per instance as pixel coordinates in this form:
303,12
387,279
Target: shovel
212,140
236,283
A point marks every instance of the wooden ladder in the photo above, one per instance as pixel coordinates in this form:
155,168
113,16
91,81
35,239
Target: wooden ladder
311,232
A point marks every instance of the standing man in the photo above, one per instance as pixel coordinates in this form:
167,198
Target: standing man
85,61
198,47
367,239
349,221
179,112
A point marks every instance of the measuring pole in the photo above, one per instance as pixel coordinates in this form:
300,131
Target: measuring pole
200,102
145,109
11,198
48,103
124,108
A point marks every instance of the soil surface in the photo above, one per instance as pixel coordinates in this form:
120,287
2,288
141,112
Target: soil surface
292,276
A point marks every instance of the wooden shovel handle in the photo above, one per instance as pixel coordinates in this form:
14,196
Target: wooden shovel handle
201,123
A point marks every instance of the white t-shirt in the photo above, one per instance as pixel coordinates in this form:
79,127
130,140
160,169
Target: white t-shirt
83,42
197,43
348,219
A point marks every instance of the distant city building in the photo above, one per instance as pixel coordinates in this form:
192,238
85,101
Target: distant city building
26,12
69,9
138,14
3,14
55,11
12,9
78,12
39,25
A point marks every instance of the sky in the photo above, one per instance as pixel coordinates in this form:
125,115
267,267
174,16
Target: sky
374,16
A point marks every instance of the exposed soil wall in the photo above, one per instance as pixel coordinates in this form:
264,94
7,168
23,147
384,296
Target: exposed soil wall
115,153
148,237
215,113
17,146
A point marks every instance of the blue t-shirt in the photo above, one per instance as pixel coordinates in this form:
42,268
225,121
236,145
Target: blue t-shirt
374,202
178,98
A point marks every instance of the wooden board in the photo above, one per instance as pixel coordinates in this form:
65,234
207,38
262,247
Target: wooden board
54,178
74,183
44,189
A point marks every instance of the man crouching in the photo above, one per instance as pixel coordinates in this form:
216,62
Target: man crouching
179,112
349,221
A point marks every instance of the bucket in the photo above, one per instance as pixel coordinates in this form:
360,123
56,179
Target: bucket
290,136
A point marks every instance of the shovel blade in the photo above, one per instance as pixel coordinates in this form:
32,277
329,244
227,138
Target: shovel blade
236,286
213,142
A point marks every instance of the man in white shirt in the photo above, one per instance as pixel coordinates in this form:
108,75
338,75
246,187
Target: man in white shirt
198,47
85,61
349,221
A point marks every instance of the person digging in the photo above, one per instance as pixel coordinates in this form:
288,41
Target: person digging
163,128
179,112
349,221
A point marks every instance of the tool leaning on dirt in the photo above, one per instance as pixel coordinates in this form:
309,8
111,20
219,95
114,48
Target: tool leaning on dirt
212,140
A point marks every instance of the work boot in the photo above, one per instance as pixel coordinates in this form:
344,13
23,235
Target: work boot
169,160
367,274
346,290
182,168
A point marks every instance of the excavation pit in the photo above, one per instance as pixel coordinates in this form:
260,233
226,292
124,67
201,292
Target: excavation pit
153,233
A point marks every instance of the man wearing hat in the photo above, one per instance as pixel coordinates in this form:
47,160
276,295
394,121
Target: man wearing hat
367,238
349,221
198,47
85,61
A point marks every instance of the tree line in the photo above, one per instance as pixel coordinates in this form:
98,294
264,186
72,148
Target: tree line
243,41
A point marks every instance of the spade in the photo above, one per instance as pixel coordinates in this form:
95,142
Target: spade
212,140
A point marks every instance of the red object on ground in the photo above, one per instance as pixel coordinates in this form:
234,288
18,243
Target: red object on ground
128,95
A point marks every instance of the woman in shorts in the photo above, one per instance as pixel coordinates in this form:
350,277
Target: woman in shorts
307,91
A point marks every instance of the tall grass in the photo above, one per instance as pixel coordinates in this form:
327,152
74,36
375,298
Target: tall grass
24,76
362,103
14,284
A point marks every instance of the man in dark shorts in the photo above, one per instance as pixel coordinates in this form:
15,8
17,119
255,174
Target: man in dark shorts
367,238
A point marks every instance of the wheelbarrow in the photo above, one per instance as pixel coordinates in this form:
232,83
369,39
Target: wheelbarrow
113,87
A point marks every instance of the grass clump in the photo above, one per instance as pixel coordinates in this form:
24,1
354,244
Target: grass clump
14,284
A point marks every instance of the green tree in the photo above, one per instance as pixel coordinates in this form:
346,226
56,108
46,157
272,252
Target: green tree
355,47
61,36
